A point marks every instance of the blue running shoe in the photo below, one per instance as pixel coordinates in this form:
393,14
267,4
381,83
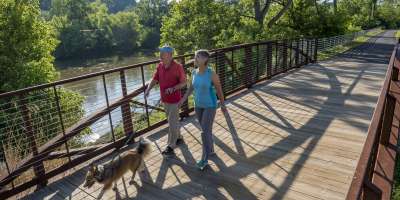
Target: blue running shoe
202,164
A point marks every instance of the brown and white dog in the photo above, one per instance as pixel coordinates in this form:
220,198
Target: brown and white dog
113,170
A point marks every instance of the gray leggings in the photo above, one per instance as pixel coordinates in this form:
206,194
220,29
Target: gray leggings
206,118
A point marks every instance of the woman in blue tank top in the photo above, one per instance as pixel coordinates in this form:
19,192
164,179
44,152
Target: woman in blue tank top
204,84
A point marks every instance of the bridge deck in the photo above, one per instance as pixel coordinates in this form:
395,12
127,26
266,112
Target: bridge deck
297,136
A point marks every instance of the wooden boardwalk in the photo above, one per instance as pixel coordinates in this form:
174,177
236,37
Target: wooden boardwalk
297,136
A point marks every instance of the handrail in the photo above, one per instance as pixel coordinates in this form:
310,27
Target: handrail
362,179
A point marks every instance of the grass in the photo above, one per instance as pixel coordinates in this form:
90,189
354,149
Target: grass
323,55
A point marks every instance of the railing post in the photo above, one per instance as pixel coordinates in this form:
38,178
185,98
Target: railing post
185,105
296,58
269,59
108,107
38,167
125,108
387,119
6,163
248,77
308,52
61,119
370,191
233,68
302,62
220,65
145,99
285,55
290,50
389,111
315,50
258,63
276,56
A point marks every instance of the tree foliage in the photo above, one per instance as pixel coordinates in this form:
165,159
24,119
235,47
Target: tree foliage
26,44
89,29
209,24
150,13
194,24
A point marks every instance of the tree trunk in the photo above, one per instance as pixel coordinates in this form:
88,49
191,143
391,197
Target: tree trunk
261,12
321,16
280,13
373,7
335,6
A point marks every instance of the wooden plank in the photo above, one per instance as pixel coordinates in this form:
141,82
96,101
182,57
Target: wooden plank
310,130
223,170
330,139
199,149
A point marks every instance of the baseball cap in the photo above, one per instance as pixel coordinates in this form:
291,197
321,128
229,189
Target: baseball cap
166,48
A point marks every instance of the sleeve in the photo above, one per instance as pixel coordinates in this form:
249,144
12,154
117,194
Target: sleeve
181,74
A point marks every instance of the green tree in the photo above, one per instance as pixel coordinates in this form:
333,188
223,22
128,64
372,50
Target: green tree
115,6
88,29
126,31
26,47
150,13
195,24
309,18
26,44
101,32
357,14
389,14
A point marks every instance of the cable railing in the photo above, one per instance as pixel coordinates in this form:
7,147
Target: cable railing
331,42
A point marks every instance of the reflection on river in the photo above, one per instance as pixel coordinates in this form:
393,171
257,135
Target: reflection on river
93,88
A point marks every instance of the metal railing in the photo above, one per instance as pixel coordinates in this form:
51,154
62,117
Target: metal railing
48,129
374,174
331,42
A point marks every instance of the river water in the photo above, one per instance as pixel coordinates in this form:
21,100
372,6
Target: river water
93,90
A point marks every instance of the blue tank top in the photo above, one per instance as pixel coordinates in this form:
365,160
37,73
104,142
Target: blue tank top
204,91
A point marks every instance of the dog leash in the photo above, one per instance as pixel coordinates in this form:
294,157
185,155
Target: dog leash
148,114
